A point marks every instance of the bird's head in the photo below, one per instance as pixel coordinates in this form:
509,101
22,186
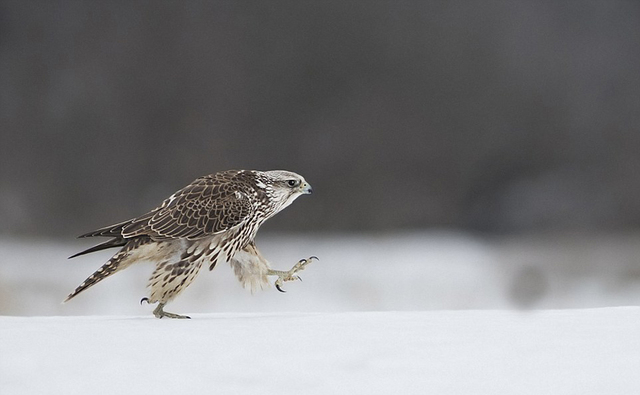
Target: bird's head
282,186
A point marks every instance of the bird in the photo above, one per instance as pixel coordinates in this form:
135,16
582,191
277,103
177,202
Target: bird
213,219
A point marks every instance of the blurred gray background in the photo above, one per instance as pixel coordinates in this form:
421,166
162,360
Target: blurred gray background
463,154
492,116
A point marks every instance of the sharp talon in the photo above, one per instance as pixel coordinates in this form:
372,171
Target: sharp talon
145,299
314,257
187,317
280,289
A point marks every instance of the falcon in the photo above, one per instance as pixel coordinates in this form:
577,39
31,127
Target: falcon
214,219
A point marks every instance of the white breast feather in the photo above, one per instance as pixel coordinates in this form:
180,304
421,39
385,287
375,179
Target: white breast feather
251,270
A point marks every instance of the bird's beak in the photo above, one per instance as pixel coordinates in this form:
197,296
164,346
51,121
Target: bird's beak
306,189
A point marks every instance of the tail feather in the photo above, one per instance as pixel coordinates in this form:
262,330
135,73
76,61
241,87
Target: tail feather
117,242
121,260
118,262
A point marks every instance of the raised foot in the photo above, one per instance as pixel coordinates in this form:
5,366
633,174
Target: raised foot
160,313
291,274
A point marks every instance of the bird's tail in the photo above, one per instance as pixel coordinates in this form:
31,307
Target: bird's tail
118,262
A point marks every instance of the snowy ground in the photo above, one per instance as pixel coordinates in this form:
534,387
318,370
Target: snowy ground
594,351
440,313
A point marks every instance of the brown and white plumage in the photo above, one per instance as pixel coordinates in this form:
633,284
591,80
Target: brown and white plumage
213,219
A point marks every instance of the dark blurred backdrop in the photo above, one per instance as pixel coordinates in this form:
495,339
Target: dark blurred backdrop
495,116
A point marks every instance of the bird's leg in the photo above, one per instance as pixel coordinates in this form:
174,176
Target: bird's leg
159,313
291,274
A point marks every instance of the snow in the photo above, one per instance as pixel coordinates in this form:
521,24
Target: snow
588,351
424,312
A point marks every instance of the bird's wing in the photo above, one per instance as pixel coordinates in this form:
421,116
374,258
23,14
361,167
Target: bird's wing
209,205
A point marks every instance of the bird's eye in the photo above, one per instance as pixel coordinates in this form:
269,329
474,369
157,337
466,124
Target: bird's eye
292,183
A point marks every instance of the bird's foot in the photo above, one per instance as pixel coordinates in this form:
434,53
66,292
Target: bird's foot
291,274
160,313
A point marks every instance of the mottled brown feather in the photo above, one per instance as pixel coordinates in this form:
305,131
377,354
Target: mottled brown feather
209,205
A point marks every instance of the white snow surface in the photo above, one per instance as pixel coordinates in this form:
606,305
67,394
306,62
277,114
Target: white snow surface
588,351
414,313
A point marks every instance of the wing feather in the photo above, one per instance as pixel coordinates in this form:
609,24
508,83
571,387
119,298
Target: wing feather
209,205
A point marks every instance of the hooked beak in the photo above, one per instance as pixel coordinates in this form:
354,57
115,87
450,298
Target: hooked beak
306,189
